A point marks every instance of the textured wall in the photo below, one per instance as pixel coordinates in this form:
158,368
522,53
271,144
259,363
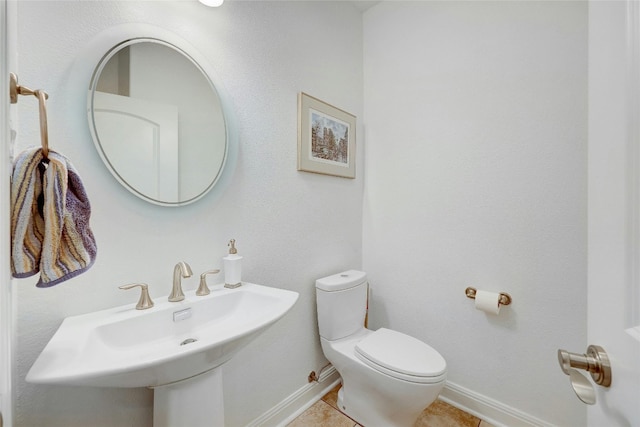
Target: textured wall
291,227
476,118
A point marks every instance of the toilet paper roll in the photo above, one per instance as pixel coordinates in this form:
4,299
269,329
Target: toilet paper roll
489,302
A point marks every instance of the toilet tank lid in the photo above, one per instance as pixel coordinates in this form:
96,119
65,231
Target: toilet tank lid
341,281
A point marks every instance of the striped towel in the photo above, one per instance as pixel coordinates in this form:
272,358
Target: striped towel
49,219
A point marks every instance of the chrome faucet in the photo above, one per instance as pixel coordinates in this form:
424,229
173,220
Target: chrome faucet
181,270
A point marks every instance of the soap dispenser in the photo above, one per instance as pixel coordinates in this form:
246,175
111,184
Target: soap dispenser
232,267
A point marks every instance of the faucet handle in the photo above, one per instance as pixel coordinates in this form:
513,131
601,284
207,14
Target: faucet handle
203,289
145,300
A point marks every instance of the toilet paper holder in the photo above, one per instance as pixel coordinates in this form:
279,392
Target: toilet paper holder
505,298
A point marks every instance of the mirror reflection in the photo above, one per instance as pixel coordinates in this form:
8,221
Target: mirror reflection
158,122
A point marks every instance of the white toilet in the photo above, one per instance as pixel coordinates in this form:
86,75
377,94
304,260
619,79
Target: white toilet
388,378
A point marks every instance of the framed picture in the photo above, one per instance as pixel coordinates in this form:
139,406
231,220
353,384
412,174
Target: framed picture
326,138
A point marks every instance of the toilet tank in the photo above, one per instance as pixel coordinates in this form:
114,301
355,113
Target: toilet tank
342,304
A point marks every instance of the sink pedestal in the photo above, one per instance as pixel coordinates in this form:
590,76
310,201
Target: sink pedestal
196,402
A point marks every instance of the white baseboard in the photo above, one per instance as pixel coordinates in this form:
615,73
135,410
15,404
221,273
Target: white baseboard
487,409
298,402
496,413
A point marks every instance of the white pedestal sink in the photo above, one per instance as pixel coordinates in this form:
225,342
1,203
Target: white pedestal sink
175,348
195,403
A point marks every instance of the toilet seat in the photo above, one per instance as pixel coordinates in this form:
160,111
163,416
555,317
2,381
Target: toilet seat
401,356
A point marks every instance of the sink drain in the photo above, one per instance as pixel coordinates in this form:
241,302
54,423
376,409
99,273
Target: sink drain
188,341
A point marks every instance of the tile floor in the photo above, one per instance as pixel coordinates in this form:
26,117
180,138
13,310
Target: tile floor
324,413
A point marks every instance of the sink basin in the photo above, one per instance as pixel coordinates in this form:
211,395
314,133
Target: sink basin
125,347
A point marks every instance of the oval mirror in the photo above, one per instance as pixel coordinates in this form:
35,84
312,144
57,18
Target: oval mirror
158,122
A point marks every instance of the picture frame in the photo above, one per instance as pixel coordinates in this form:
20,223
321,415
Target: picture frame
326,138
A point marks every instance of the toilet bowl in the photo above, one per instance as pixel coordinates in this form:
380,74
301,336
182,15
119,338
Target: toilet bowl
388,378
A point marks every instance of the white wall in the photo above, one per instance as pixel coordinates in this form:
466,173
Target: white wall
476,121
291,227
7,53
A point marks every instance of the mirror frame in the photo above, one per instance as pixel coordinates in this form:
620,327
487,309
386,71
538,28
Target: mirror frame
113,40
